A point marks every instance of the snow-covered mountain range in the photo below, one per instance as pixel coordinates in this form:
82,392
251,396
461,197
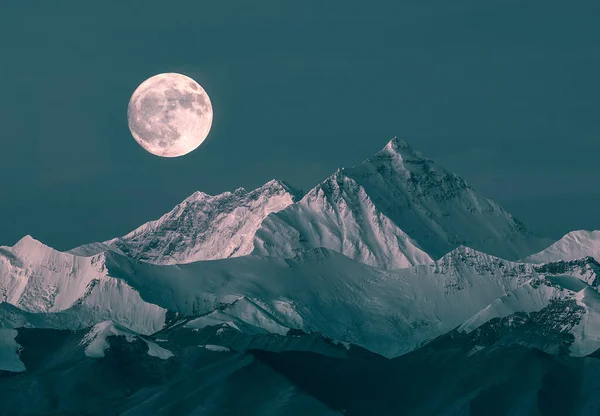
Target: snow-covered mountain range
390,312
202,227
385,258
394,210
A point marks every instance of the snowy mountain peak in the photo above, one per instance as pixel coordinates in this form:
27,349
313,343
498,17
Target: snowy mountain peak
573,246
274,186
339,215
202,227
333,186
400,158
399,147
196,196
28,243
279,186
398,163
396,209
465,258
30,250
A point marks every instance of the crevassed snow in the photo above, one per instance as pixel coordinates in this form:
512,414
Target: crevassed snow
96,340
574,245
9,351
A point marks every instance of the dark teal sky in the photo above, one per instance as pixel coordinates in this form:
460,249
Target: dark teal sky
505,93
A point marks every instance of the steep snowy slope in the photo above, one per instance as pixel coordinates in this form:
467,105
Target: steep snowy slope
574,245
202,227
558,314
72,291
394,210
338,214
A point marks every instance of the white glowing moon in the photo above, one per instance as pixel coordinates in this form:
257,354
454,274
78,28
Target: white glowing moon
169,115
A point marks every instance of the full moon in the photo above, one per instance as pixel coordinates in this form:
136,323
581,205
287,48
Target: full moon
169,115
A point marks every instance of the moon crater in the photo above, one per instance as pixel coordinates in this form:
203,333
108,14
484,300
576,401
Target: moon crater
169,115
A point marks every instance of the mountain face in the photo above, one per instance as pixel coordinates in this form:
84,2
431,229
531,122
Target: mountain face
574,245
202,227
339,215
395,210
61,290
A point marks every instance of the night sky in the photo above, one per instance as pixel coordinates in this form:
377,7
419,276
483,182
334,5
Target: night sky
504,93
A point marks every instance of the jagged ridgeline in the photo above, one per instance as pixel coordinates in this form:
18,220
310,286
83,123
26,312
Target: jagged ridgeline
262,302
396,209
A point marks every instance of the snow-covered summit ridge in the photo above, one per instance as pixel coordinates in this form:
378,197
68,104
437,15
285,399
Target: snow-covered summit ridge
203,227
396,209
437,208
28,246
338,214
273,187
572,246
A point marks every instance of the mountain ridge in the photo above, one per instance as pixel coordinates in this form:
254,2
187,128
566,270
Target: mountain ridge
390,312
572,246
395,209
201,227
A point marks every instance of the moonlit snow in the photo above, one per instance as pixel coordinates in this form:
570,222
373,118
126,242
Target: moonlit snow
394,269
